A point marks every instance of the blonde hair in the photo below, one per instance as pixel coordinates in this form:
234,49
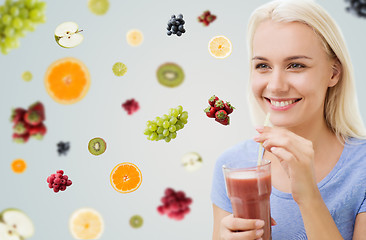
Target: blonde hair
341,108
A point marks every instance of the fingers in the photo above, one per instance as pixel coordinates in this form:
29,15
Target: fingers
238,228
273,222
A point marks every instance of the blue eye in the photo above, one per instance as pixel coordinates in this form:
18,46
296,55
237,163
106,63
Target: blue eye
261,65
296,65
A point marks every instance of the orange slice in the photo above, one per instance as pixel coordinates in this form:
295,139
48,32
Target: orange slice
126,177
67,80
220,47
18,165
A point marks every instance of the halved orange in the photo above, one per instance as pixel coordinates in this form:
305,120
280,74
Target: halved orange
18,165
67,80
86,223
126,177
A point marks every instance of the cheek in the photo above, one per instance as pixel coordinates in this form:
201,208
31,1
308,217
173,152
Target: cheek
257,85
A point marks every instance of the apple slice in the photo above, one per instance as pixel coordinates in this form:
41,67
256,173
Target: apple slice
191,161
18,221
68,35
8,233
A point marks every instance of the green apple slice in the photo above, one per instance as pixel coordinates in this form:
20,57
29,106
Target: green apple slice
8,233
192,161
68,35
19,221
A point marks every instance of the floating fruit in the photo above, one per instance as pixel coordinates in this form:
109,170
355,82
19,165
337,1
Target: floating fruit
192,161
98,7
67,80
86,223
170,75
220,47
136,221
97,146
27,76
134,37
18,165
15,225
126,177
119,69
68,35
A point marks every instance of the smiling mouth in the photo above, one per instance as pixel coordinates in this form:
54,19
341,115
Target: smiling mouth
282,103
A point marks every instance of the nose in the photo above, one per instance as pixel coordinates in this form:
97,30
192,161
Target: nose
277,82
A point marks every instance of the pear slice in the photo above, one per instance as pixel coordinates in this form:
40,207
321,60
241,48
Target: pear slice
8,233
68,35
192,161
18,221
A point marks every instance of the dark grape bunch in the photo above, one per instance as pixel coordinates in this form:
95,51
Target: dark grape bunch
175,204
63,148
357,8
58,181
16,18
176,25
166,127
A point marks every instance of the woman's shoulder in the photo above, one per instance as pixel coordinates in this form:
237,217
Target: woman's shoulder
355,153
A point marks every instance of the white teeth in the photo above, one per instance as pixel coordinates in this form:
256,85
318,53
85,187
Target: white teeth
282,103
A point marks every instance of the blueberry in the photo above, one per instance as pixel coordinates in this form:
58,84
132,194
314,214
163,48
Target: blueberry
183,30
169,33
173,16
182,22
180,28
179,33
174,28
177,23
170,24
169,27
180,16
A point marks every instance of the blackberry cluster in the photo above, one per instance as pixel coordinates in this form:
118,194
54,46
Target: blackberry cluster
357,8
175,204
58,181
176,25
63,148
131,106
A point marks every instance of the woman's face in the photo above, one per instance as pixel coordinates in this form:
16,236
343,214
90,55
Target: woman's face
290,73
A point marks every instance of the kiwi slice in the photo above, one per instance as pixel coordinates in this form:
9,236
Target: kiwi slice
97,146
136,221
170,75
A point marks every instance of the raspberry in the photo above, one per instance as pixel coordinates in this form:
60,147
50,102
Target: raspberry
131,106
58,181
175,204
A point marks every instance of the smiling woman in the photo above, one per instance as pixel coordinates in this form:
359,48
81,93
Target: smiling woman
300,73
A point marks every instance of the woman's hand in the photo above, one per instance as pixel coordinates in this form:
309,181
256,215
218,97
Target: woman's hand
296,155
241,229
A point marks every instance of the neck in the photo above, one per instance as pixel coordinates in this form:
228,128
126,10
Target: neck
319,134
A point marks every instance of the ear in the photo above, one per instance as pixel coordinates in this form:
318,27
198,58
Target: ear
336,73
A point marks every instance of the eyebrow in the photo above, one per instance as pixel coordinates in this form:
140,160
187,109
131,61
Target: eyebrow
286,59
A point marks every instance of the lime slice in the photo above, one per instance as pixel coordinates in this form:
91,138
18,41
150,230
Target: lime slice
98,7
119,69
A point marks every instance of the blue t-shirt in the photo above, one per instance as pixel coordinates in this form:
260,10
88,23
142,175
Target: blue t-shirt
343,190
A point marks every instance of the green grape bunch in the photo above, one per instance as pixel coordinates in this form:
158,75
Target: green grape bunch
166,127
16,18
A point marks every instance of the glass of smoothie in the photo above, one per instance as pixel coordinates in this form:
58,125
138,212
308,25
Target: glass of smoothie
249,188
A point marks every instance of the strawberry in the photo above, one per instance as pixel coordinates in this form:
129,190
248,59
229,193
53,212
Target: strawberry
206,13
32,117
205,22
210,112
20,127
17,115
225,121
20,138
38,106
212,100
219,105
38,131
221,115
210,18
228,108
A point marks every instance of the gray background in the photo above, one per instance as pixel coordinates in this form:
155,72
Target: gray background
100,112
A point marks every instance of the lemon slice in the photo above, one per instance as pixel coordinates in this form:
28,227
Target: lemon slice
220,47
134,37
86,223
